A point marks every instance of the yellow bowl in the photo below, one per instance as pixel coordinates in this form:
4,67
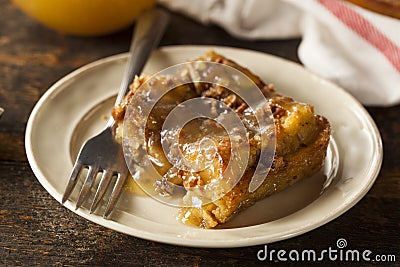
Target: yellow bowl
85,17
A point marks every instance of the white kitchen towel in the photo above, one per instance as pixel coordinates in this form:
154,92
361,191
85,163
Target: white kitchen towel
356,48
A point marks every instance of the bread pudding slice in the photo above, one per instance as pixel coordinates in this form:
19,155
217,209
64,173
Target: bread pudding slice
301,136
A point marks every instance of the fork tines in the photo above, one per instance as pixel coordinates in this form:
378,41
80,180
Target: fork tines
106,178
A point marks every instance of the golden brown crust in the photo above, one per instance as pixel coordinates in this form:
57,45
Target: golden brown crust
302,138
285,171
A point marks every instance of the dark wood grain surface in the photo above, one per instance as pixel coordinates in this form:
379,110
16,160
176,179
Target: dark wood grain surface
36,230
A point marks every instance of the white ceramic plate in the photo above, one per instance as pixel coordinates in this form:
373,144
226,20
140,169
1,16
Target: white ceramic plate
75,108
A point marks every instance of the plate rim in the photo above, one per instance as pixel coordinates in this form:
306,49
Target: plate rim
373,172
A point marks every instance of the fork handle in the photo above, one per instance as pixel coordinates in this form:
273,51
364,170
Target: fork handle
149,28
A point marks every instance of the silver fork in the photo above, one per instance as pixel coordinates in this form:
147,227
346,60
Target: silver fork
102,154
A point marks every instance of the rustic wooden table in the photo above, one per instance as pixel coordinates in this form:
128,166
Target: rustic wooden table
36,229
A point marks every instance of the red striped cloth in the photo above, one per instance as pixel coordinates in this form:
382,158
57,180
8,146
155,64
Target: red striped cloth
351,46
365,29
